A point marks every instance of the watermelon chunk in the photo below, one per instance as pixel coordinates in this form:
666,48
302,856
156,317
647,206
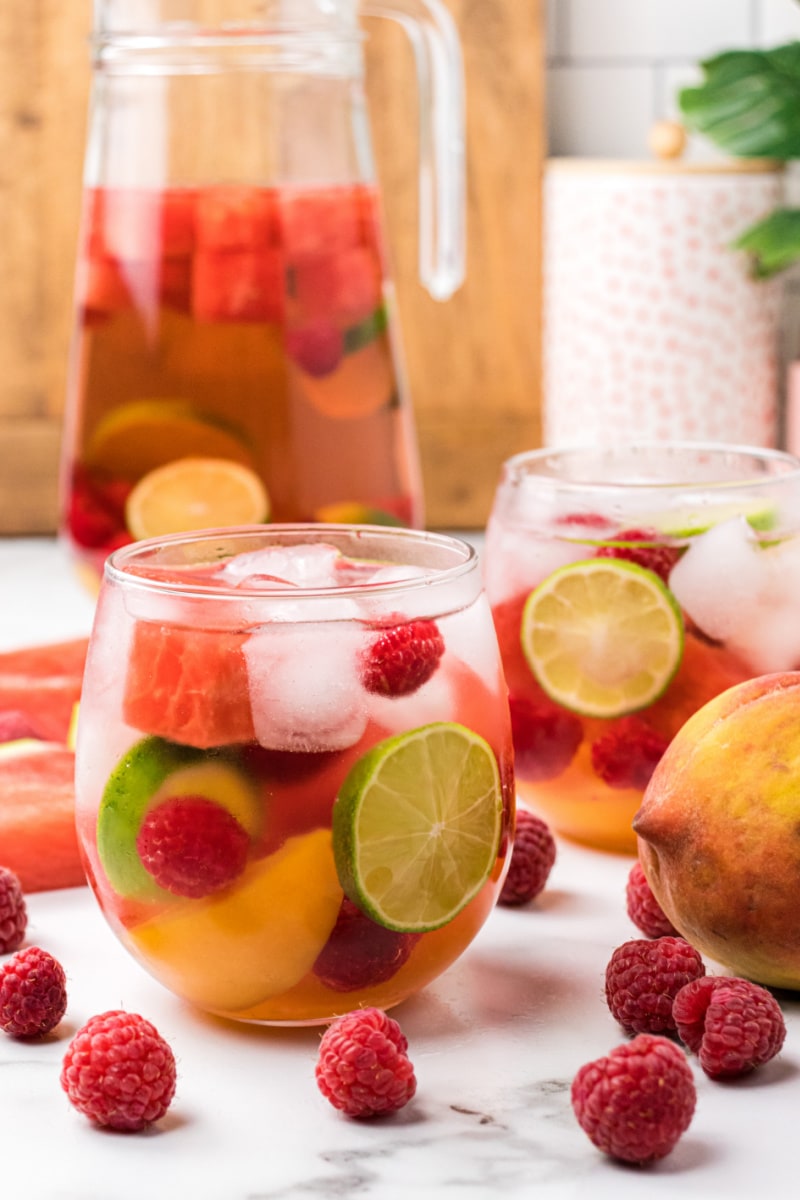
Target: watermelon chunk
238,285
235,218
188,685
37,815
327,219
345,285
44,683
144,224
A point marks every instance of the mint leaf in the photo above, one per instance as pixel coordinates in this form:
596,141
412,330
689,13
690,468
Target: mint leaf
772,244
749,102
358,336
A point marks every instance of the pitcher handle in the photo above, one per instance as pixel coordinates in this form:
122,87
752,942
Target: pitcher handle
440,79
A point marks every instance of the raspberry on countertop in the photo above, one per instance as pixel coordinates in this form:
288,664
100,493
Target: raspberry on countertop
363,1067
643,908
532,860
733,1025
642,979
13,911
33,993
635,1103
119,1072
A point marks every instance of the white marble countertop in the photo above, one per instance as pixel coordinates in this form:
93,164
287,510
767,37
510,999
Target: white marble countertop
495,1044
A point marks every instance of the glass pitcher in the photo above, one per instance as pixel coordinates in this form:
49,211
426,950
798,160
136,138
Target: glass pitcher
235,354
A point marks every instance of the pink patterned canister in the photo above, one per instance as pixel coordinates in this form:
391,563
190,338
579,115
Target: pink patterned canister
652,326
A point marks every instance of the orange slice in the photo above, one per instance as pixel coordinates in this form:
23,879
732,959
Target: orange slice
361,385
145,434
195,493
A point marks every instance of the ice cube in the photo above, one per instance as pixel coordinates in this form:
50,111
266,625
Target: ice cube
305,689
768,637
743,594
394,573
720,579
305,566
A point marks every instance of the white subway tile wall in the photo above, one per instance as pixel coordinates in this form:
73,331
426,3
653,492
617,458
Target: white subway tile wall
616,66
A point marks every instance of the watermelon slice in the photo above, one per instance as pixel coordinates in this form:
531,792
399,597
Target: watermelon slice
44,684
37,815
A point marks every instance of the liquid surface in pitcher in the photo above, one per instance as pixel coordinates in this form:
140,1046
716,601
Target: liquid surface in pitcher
232,363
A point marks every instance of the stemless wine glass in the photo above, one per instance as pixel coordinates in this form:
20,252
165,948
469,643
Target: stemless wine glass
629,585
294,764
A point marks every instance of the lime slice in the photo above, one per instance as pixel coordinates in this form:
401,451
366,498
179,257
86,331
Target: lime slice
195,493
760,515
416,826
149,772
603,637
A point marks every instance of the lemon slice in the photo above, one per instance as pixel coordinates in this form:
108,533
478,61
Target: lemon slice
195,493
416,826
603,637
145,434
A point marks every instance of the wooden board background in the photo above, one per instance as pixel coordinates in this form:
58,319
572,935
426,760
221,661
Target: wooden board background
473,362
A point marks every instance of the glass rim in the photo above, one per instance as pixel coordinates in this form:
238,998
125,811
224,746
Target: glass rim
117,566
516,467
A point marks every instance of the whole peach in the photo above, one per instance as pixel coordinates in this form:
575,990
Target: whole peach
719,830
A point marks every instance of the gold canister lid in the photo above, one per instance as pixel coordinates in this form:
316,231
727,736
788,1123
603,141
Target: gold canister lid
667,142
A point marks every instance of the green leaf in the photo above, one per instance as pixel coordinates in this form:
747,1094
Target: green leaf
772,244
358,336
749,102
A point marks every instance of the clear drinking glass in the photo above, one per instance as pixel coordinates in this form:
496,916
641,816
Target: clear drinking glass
628,586
294,764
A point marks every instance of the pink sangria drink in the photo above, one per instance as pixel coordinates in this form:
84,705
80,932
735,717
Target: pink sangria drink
233,324
294,764
629,586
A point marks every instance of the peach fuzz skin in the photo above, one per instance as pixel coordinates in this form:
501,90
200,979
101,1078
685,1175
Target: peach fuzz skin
719,830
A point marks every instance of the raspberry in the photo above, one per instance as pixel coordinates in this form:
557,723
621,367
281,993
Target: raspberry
642,979
532,860
118,1071
643,908
13,911
733,1025
97,509
627,755
317,348
360,952
402,658
15,724
192,846
650,553
584,520
363,1066
33,993
635,1103
545,738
